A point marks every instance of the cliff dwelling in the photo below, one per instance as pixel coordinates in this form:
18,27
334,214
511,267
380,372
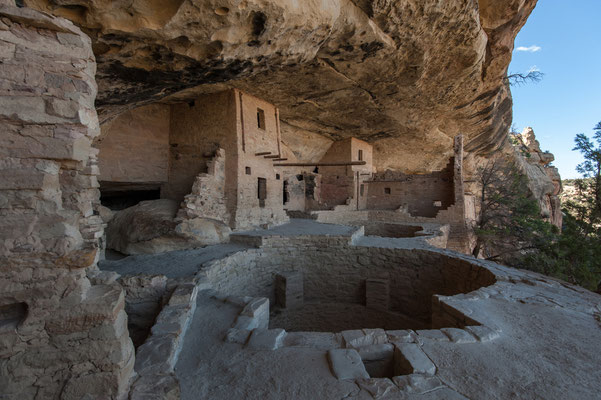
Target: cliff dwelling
267,200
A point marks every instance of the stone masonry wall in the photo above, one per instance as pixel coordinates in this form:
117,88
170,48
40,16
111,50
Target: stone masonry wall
337,317
134,147
197,130
60,336
416,193
253,140
207,198
340,184
335,272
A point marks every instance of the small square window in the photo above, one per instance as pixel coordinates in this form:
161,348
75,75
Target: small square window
277,176
247,170
260,119
360,155
386,190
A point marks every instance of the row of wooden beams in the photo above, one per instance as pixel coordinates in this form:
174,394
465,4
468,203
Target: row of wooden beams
343,164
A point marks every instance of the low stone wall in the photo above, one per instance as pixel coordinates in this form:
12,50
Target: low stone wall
457,238
392,230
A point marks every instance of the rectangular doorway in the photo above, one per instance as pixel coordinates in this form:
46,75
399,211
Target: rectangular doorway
262,191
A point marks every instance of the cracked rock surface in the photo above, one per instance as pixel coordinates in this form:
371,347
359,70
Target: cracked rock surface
407,76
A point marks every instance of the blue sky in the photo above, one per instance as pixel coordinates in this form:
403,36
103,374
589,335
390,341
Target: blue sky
562,39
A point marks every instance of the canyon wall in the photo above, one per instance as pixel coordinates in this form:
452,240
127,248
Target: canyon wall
543,178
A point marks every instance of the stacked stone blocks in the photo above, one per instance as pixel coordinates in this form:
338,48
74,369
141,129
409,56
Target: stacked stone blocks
69,338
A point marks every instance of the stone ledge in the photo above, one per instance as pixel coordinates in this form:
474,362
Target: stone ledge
411,359
346,364
459,336
266,339
155,387
158,355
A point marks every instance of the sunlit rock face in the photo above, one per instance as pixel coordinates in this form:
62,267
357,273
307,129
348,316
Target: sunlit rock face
543,178
406,76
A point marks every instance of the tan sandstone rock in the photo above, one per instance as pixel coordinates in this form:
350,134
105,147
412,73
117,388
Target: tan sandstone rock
150,227
406,76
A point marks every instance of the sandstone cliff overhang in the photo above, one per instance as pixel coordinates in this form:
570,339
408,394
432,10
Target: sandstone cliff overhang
406,76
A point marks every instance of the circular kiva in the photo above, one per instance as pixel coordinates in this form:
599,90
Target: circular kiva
328,285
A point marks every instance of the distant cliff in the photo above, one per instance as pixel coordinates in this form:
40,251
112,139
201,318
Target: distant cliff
544,180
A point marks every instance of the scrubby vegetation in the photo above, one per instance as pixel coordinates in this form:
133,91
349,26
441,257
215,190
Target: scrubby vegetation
511,229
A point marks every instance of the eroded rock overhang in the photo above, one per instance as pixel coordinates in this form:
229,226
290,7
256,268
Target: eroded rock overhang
406,76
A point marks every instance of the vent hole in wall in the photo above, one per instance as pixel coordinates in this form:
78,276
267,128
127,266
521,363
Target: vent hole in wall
11,316
222,11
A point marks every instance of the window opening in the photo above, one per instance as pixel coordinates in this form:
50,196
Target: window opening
260,118
360,155
247,170
386,190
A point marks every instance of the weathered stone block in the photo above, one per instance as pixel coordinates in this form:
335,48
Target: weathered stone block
184,294
239,336
346,364
157,355
155,387
364,337
246,323
409,359
376,352
379,387
404,336
266,339
171,320
432,334
483,333
258,309
457,335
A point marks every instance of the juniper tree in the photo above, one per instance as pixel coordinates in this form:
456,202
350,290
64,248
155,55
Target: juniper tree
509,221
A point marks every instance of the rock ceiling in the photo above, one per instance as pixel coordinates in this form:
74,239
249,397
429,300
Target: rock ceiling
404,75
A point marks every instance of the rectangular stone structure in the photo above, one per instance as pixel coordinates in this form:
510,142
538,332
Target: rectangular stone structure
377,294
289,290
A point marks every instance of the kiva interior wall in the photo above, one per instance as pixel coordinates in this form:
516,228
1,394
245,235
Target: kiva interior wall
62,334
335,272
135,146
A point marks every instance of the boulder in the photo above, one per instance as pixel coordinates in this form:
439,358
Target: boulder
204,231
150,227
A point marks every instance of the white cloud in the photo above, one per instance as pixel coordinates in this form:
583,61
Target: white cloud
529,49
534,68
